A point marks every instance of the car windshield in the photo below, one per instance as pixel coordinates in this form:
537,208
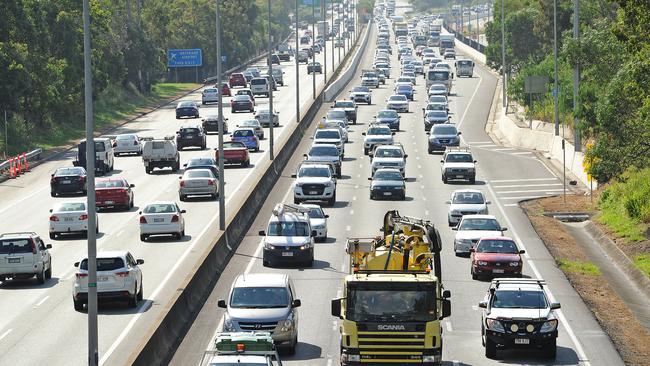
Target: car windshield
360,89
316,213
210,90
344,104
104,264
468,198
378,131
387,114
69,171
387,175
241,98
391,302
403,79
198,174
437,99
288,228
388,153
243,133
70,207
157,208
15,246
397,98
259,297
260,81
327,134
459,158
250,123
323,151
444,130
112,183
519,299
200,162
189,131
370,75
480,224
313,171
233,145
497,246
125,137
185,104
336,115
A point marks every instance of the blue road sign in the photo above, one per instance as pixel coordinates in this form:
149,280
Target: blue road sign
185,58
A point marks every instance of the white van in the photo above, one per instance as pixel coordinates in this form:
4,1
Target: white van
260,86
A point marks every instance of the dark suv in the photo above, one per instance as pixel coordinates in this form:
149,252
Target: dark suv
350,108
68,180
190,136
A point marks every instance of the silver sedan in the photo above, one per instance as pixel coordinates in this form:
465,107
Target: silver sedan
197,182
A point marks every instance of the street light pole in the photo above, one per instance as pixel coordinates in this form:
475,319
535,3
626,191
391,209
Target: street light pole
222,193
93,353
271,111
555,82
576,78
6,134
295,57
333,36
503,55
323,27
313,34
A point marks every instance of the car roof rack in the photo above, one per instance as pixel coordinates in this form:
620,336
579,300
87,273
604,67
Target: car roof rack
519,281
282,208
458,149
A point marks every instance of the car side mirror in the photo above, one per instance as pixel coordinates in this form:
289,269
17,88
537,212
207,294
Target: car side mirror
48,246
51,210
455,228
293,176
296,303
363,133
472,250
555,305
139,261
76,264
369,178
261,233
522,251
327,216
482,304
446,294
180,177
336,308
52,175
406,156
504,229
488,202
222,304
304,155
183,211
131,185
459,133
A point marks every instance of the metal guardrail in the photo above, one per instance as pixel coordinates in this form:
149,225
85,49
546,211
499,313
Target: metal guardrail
468,41
32,155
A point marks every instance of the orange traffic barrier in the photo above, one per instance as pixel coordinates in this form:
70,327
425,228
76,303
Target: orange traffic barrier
12,168
18,166
26,165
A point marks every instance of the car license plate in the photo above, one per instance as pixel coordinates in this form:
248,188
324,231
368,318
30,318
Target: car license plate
287,254
387,193
13,260
68,219
158,220
65,182
102,278
459,176
313,192
190,136
109,202
498,271
522,341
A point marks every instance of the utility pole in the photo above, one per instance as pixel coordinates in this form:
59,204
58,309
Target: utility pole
6,134
556,91
333,36
323,12
503,55
576,79
222,193
313,34
295,57
93,353
339,33
271,111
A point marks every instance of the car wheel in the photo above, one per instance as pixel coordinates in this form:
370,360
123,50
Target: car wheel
85,192
550,350
53,236
143,237
182,197
490,348
296,201
266,263
133,299
48,273
291,350
141,293
246,164
232,110
332,201
203,146
41,276
444,179
472,180
78,305
369,101
474,275
53,194
257,149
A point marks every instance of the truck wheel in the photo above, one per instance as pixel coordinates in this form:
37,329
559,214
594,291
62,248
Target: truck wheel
490,348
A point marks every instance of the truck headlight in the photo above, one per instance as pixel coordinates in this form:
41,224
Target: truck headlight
350,358
494,325
431,358
228,325
268,246
549,326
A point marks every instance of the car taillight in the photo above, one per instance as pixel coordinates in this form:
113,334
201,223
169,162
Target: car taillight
211,182
83,217
81,179
81,275
122,274
175,218
182,183
143,220
54,218
33,245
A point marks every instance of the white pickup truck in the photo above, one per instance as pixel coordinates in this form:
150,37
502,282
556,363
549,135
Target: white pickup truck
160,153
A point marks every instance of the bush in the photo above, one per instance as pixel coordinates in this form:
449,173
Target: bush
625,204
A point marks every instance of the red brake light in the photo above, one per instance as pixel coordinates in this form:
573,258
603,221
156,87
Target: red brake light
211,182
81,275
122,274
143,220
182,183
83,217
175,218
54,218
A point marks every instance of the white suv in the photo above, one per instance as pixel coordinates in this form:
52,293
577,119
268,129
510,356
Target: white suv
24,255
260,86
466,202
389,156
289,238
315,182
118,277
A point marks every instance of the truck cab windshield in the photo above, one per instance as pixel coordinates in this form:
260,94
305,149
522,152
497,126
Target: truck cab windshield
397,302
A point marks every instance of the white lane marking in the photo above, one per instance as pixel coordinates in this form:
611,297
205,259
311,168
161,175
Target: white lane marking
348,228
142,308
448,326
419,166
480,142
5,334
529,185
475,307
567,326
119,233
329,360
41,302
426,213
521,180
22,200
354,198
510,205
531,190
351,212
504,149
522,153
520,197
548,169
469,103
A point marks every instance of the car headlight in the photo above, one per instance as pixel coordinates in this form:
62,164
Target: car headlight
228,325
306,246
549,326
495,325
514,264
471,170
482,263
268,246
287,324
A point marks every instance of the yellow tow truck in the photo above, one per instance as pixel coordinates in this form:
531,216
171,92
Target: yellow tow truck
393,299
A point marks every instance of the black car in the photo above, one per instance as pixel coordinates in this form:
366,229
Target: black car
68,180
187,109
387,183
314,67
275,59
211,124
203,163
241,102
190,136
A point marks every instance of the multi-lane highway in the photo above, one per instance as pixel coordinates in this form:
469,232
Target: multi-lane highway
505,175
38,323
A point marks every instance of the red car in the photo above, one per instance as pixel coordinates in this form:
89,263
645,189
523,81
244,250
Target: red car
225,90
234,152
237,79
496,256
113,192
